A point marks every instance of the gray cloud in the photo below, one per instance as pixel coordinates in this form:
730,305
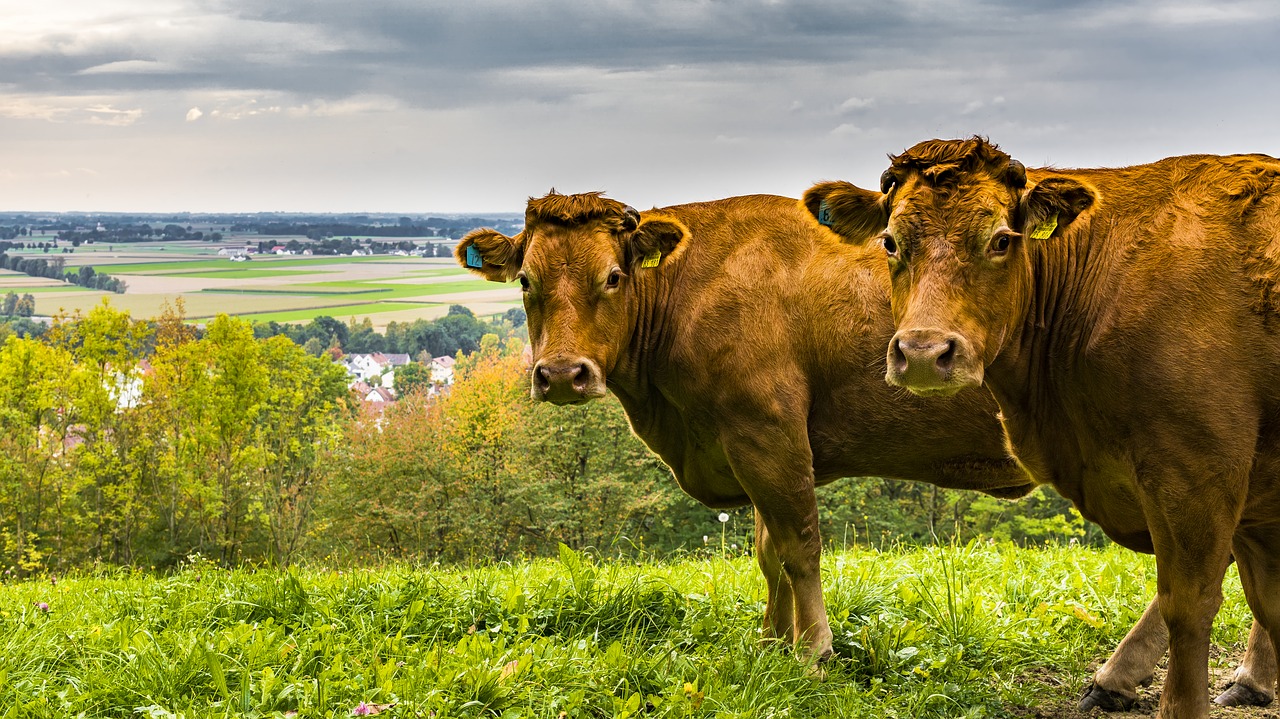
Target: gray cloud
671,100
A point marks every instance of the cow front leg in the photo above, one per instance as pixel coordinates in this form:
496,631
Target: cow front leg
779,612
1193,550
1114,686
776,470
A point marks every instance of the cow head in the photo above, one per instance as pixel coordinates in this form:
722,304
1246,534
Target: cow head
961,226
578,261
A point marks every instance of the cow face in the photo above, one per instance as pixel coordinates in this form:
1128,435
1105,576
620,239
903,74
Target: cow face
579,261
961,227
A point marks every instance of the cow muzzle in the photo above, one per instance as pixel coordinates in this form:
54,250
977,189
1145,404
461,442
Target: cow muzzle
932,362
567,381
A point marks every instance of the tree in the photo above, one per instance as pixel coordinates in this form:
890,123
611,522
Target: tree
298,433
37,513
10,306
516,316
411,378
106,345
26,306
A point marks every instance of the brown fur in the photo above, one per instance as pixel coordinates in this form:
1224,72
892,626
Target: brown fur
1133,354
570,210
749,361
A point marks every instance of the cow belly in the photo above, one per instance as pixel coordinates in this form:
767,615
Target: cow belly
706,476
1104,491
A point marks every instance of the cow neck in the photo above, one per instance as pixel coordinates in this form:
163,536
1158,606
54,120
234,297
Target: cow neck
634,372
1026,376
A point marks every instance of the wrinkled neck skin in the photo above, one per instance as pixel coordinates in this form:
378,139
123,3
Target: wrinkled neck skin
650,303
1045,350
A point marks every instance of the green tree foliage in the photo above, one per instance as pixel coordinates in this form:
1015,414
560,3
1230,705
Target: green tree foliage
139,443
218,444
36,435
411,378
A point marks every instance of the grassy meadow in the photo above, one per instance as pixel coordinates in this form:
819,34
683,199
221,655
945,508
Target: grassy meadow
284,288
982,630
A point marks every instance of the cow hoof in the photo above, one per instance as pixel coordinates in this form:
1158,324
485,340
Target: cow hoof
1105,699
816,669
1239,695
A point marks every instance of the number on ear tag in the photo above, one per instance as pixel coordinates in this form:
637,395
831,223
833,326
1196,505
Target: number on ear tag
1045,229
824,214
473,257
652,259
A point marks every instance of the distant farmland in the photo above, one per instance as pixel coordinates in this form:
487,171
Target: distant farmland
283,288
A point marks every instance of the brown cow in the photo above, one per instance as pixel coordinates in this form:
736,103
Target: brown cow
1125,320
743,341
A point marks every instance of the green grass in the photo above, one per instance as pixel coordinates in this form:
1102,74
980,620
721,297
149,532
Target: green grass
332,311
976,631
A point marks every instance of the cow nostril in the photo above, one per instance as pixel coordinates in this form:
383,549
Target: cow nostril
581,375
948,356
899,359
543,378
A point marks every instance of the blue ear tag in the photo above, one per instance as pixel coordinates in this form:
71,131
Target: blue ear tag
824,214
473,257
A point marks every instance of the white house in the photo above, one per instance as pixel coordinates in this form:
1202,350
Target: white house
376,368
442,370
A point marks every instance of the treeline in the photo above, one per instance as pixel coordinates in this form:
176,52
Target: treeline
136,443
458,331
135,233
55,269
406,227
345,246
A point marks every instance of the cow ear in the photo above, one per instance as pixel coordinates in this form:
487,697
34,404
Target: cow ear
491,254
657,240
855,214
1052,204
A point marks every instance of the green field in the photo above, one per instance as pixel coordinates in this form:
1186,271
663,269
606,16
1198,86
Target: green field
182,265
384,288
341,311
976,631
241,274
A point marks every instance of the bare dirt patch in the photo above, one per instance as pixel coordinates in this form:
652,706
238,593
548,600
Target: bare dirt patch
1222,664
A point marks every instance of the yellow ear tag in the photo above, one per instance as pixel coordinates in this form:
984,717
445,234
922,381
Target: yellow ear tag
1045,229
652,259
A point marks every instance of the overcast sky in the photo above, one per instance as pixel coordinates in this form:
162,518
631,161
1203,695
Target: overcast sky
473,105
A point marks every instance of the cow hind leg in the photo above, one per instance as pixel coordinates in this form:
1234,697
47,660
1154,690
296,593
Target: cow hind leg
779,612
1254,682
1114,686
1257,552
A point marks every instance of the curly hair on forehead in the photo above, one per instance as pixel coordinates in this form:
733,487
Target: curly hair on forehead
944,163
570,210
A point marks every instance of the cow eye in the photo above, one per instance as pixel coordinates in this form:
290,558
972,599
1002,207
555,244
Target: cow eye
1001,243
890,246
524,282
615,276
